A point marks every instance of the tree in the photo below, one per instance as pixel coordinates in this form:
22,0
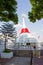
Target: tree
37,10
8,29
8,10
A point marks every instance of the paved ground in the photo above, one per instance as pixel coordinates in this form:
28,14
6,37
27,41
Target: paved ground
3,61
19,61
38,61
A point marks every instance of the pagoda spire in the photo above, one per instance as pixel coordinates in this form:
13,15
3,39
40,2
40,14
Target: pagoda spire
23,17
24,28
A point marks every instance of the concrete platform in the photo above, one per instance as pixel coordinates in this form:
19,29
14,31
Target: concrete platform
19,61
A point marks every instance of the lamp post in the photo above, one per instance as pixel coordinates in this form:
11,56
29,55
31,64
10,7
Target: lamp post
31,57
32,54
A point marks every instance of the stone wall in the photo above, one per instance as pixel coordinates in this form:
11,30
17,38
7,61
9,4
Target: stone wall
22,53
27,53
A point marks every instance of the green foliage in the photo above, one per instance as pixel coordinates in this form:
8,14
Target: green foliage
8,10
7,51
37,10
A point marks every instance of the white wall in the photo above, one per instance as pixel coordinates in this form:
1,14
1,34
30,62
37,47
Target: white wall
2,46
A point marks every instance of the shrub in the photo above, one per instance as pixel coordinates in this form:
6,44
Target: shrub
7,51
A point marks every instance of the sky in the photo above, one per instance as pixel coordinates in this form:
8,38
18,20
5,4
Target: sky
24,6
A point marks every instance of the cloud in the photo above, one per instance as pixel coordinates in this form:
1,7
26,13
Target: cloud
18,25
42,30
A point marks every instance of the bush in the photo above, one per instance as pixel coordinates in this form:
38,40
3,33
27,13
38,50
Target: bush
7,51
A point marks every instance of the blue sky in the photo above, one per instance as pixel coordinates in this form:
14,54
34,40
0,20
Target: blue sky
24,7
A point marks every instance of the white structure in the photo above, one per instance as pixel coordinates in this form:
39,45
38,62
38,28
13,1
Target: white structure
1,43
7,55
26,37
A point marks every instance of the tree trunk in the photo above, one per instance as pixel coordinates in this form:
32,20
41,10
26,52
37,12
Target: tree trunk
5,42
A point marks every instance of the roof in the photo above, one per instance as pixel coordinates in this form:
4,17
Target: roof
24,30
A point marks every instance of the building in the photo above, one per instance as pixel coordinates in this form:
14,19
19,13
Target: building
26,38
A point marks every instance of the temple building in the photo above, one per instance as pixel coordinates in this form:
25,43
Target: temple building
26,38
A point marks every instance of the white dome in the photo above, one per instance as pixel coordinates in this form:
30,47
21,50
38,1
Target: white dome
24,38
